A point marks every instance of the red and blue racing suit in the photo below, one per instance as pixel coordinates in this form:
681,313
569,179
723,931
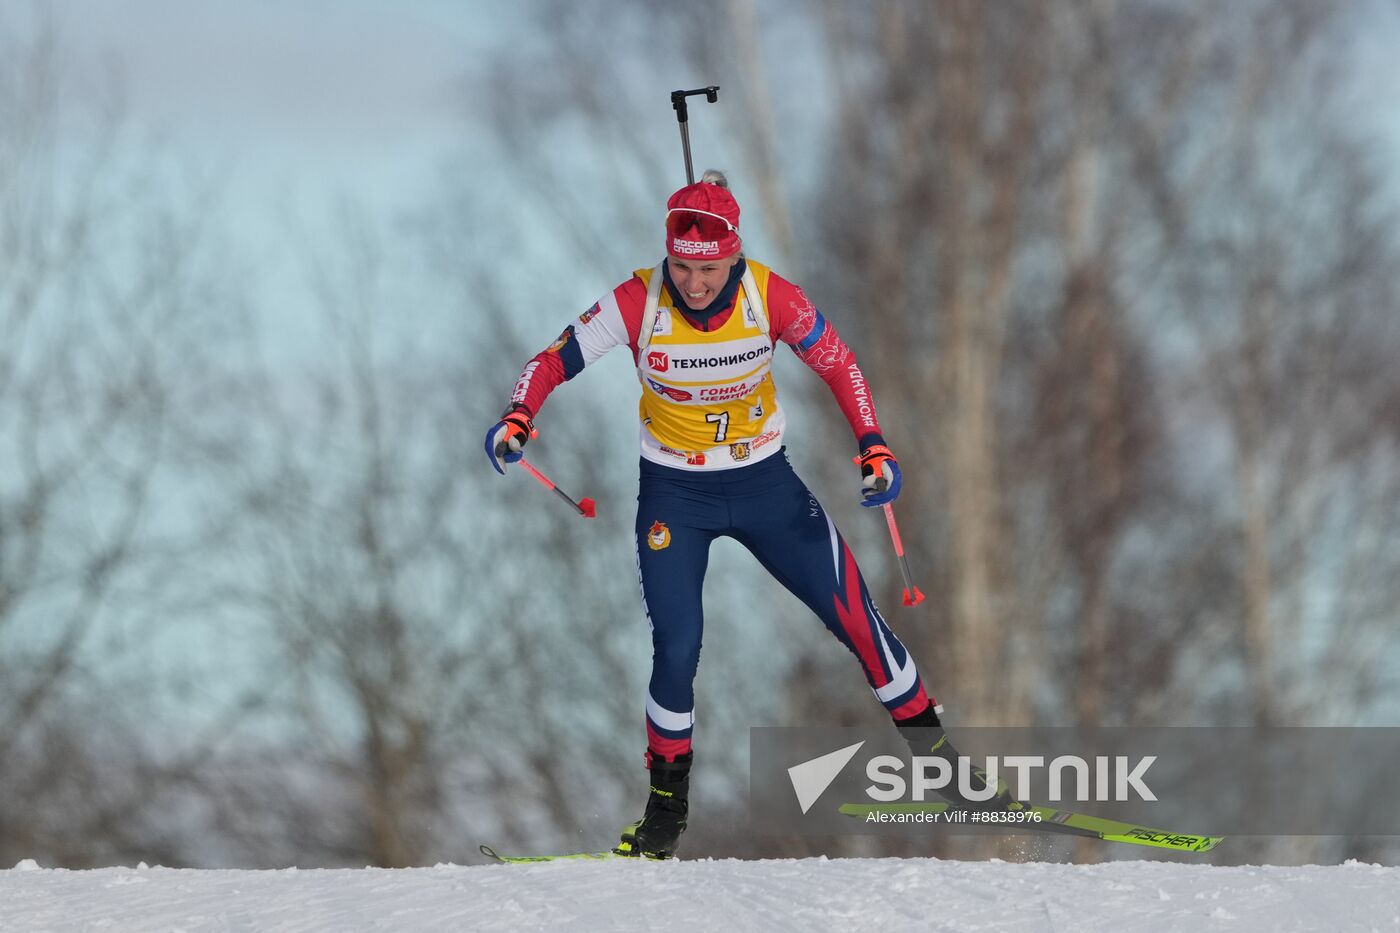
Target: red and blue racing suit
713,465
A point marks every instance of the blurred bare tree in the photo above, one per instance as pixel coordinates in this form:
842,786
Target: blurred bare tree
1122,276
1282,254
1095,199
440,669
100,367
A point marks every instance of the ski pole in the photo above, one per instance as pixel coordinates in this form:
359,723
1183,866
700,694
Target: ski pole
585,506
912,596
682,116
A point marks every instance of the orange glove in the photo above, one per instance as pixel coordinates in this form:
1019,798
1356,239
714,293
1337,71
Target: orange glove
508,436
879,476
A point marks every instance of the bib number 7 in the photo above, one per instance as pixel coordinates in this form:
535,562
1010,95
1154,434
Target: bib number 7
721,423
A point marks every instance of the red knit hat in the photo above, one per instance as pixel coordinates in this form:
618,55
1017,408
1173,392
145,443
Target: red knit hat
702,222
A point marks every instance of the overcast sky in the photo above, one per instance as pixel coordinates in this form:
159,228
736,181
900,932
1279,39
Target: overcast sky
284,106
289,102
315,84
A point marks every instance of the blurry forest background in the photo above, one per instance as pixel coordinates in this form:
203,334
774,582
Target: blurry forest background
1123,274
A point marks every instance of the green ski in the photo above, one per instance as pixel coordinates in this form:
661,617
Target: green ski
1054,820
529,859
562,857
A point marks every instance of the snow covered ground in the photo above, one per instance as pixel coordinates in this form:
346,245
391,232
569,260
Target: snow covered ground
807,894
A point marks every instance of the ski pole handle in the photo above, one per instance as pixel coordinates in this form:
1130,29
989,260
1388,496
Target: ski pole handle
585,506
912,596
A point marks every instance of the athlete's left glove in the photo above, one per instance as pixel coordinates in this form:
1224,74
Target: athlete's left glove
508,436
879,475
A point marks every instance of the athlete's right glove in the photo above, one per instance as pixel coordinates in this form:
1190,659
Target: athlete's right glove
508,436
879,475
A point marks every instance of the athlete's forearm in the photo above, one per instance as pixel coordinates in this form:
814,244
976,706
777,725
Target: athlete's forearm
830,358
541,375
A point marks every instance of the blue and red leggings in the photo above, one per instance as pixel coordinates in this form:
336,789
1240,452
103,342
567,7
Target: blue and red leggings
769,510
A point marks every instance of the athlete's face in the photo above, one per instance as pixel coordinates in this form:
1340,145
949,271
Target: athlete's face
699,281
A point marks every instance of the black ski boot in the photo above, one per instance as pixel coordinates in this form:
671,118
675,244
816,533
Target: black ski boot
926,739
657,834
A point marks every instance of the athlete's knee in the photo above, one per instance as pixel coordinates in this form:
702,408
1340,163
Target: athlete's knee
676,656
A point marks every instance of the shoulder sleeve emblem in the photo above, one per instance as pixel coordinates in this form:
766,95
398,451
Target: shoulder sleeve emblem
558,344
